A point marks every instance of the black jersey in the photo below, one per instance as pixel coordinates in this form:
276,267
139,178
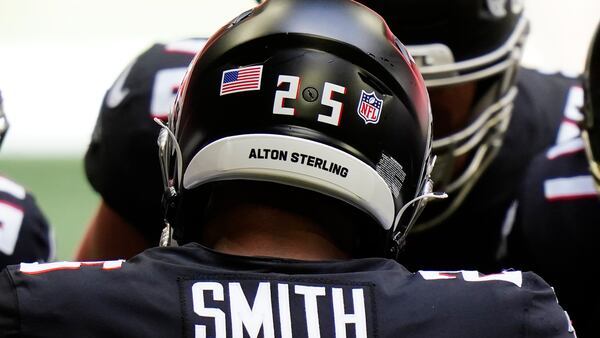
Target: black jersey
191,291
123,146
556,228
470,238
24,231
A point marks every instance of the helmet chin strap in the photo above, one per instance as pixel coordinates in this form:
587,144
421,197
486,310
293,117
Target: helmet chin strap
170,192
164,149
427,194
425,197
400,237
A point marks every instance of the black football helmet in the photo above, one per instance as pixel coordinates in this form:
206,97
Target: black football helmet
3,121
318,95
591,109
456,43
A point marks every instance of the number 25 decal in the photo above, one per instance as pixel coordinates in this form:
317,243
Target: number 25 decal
292,94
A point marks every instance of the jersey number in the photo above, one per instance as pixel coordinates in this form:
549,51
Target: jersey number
35,268
11,218
515,277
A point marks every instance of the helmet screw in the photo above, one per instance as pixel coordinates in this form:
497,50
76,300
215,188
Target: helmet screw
310,94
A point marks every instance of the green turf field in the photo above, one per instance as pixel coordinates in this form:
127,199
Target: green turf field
62,192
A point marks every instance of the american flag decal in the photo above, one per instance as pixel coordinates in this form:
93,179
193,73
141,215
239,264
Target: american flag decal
241,79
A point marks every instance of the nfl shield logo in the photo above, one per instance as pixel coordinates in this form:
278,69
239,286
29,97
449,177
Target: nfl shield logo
369,107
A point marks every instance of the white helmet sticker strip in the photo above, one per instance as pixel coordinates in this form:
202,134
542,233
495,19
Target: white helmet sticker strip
297,162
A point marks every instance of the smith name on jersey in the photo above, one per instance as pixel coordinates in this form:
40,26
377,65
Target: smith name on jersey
191,291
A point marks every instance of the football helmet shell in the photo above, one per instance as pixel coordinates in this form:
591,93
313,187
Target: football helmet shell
313,94
457,42
591,123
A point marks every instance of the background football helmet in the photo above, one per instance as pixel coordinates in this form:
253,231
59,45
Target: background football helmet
3,121
456,43
591,123
318,95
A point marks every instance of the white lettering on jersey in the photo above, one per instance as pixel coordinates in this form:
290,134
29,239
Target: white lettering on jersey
11,219
12,188
252,320
199,308
118,92
310,294
569,128
358,318
37,268
164,91
515,277
565,148
285,316
568,188
260,315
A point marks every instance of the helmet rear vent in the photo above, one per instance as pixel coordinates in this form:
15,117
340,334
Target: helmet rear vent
374,83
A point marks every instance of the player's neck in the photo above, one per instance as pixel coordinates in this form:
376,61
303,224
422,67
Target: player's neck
263,231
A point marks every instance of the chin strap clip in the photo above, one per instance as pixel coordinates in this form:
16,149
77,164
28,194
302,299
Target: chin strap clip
167,145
